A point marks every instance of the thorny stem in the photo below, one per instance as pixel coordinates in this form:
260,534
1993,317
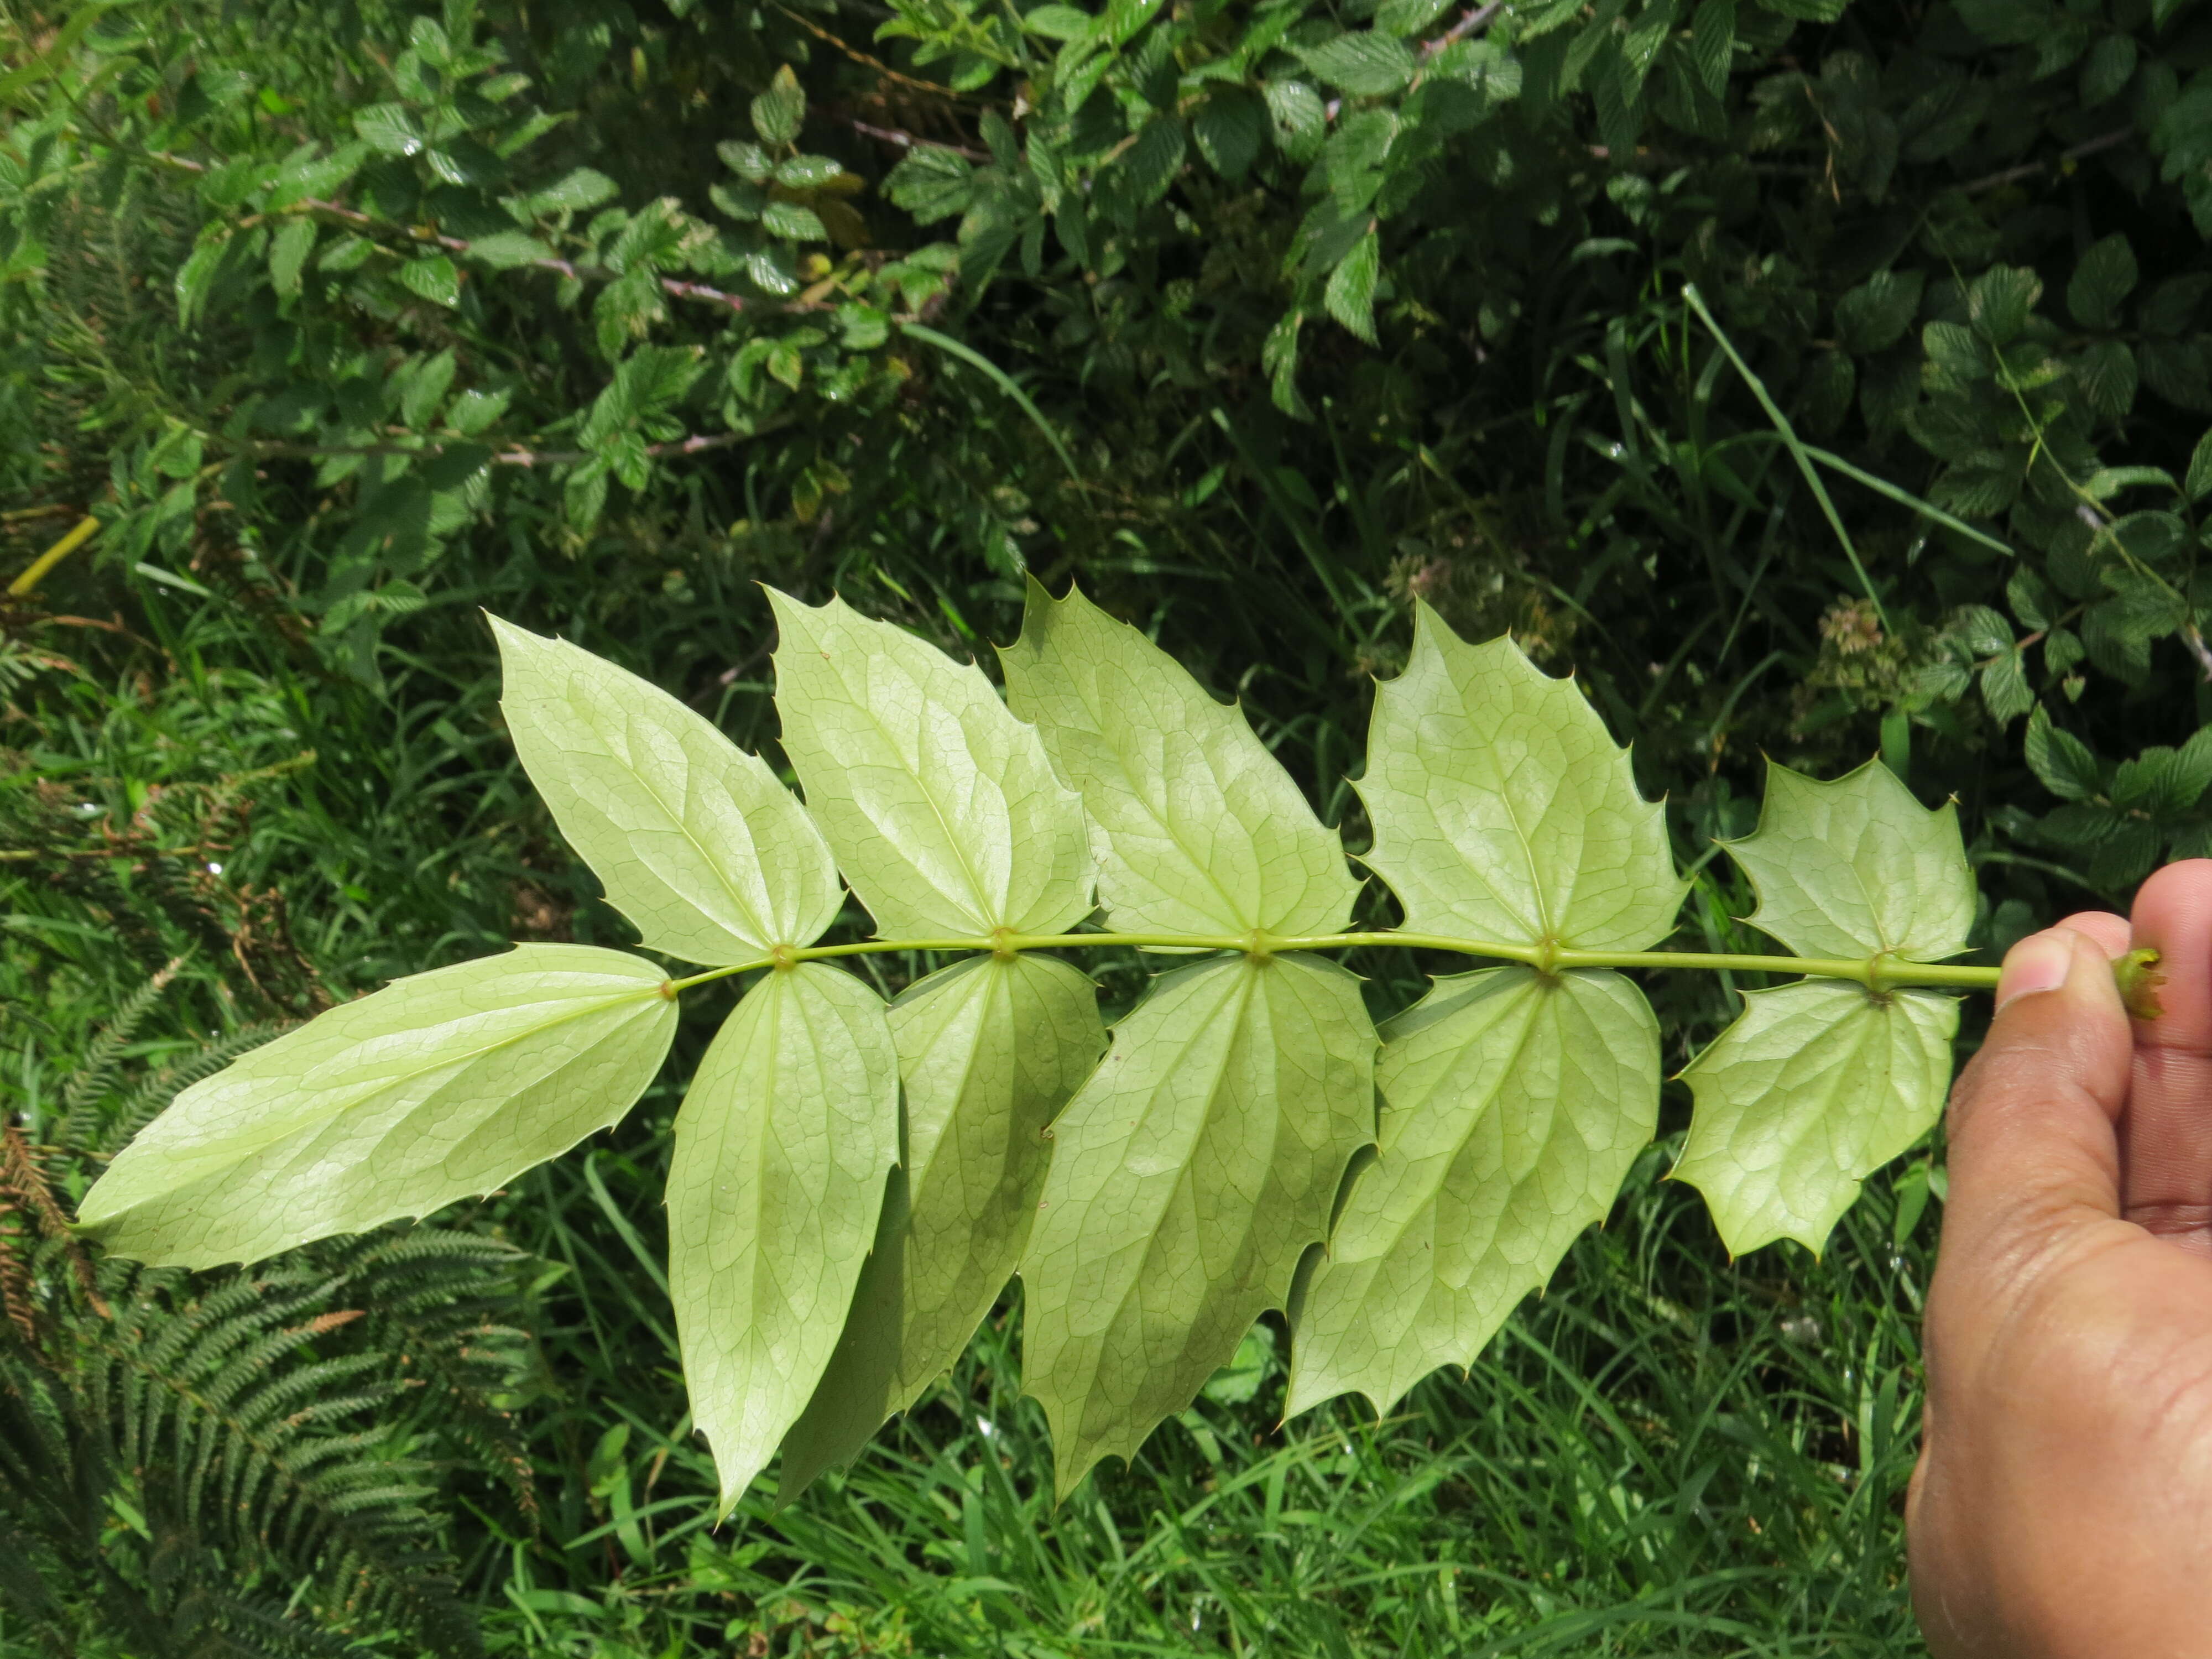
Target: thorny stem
1877,973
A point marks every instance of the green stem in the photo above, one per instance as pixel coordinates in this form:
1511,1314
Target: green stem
1878,973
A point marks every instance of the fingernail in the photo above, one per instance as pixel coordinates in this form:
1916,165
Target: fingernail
2038,962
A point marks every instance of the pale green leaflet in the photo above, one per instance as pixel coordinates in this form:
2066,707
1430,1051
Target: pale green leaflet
1188,1176
855,1183
442,1086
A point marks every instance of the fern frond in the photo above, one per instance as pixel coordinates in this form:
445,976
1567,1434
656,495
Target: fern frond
244,1433
428,1294
17,1306
25,1190
211,1625
103,1055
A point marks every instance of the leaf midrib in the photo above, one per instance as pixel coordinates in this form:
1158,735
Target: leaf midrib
980,910
1502,1075
1092,702
987,991
323,1119
1241,997
683,824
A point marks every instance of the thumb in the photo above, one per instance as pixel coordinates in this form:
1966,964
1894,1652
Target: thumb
2033,1154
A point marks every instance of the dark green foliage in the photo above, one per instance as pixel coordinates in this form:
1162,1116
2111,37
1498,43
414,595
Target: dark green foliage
1259,320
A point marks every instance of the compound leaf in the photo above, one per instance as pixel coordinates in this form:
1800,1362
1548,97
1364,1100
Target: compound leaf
782,1147
441,1087
1502,808
1814,1087
989,1051
1857,868
1513,1106
943,810
695,840
1188,1176
1196,828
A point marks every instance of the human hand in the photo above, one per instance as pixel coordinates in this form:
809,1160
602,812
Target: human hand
2062,1503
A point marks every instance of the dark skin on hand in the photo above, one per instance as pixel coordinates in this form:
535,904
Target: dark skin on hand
2062,1505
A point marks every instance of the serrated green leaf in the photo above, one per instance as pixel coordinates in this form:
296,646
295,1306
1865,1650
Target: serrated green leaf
1195,827
1365,64
1513,1106
1811,1090
505,249
793,221
931,184
1350,297
1502,808
575,192
2200,468
441,1086
464,162
389,129
779,112
1875,315
1407,17
943,808
1956,354
2030,599
1981,628
423,387
1060,23
1188,1177
782,1147
1857,868
747,159
2004,687
2108,374
1229,127
2182,775
695,841
1999,302
1713,43
288,254
989,1051
1297,111
198,274
2060,760
433,279
2104,277
1147,167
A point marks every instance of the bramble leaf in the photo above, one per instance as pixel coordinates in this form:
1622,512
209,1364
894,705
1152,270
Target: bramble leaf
1857,868
989,1051
1502,808
943,810
782,1147
2060,761
441,1086
1513,1106
695,840
1188,1176
1815,1087
1195,826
